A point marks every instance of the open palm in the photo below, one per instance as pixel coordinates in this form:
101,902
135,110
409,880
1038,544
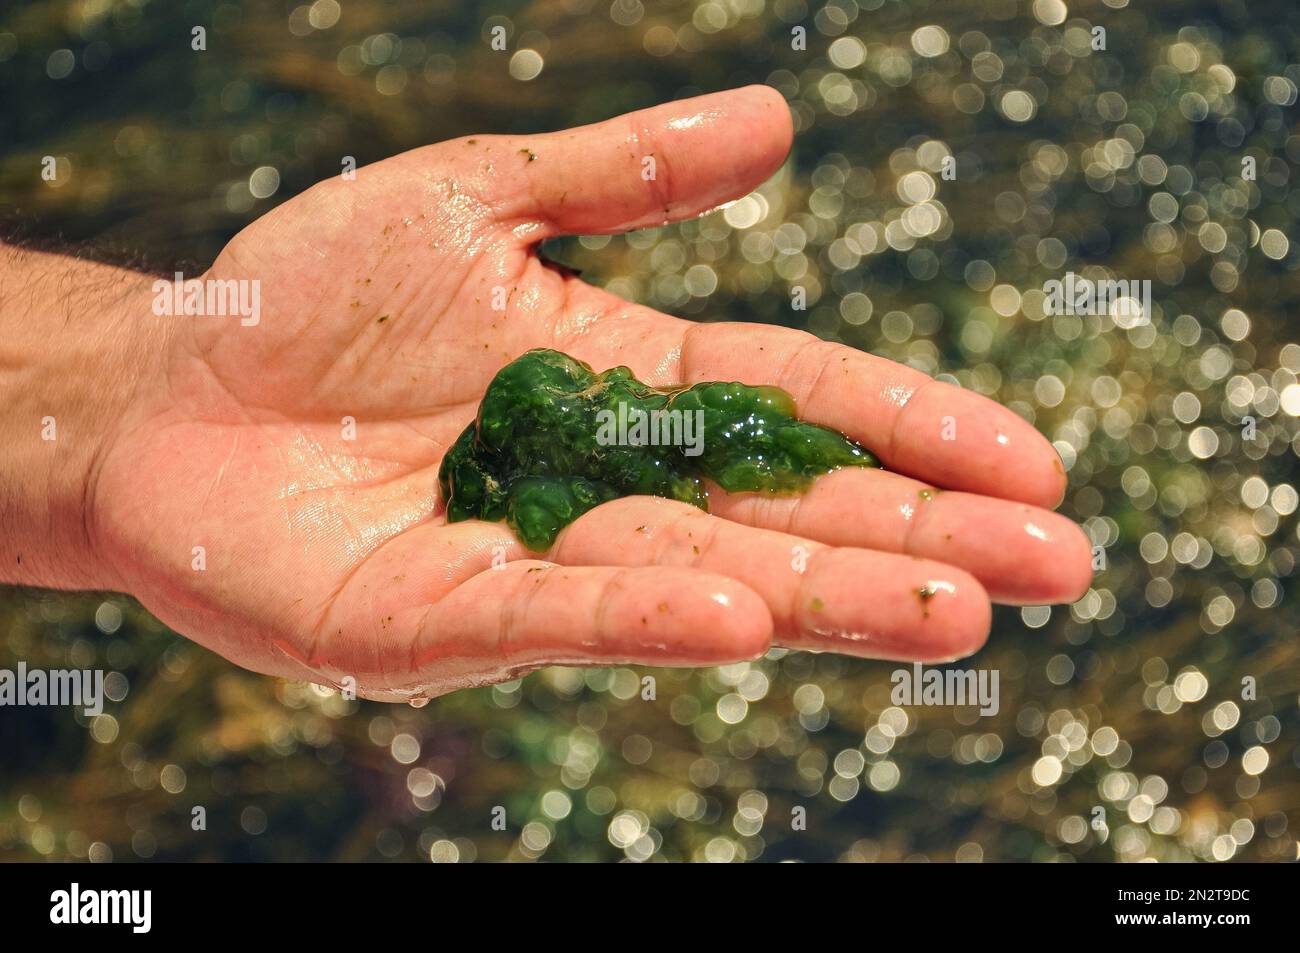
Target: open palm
274,493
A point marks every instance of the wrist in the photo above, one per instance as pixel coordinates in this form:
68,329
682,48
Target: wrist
75,337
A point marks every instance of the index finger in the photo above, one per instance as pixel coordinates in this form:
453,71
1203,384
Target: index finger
927,429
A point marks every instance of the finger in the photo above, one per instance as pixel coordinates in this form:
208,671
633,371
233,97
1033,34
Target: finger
445,606
531,613
824,598
928,429
662,164
1021,554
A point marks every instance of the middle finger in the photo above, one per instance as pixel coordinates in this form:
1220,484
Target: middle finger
1021,554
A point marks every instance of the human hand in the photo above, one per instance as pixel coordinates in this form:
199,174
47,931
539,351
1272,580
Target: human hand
325,553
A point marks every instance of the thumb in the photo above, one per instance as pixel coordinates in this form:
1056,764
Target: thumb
667,163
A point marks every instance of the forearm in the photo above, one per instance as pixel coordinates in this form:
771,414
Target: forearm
75,337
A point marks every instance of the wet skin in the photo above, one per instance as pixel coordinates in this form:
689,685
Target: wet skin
545,448
328,553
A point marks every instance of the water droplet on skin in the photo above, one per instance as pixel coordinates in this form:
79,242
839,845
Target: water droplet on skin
418,702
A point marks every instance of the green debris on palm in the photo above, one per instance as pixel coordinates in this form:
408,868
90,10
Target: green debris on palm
553,439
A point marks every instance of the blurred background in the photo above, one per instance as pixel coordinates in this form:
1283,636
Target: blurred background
1155,719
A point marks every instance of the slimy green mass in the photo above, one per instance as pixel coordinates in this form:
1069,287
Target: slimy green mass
553,439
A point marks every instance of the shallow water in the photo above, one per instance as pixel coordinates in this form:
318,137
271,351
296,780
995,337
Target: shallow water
1066,157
